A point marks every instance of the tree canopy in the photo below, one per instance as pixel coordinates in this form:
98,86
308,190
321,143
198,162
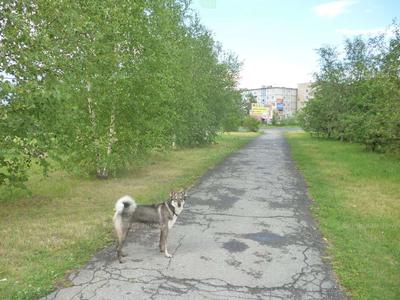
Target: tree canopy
97,84
357,92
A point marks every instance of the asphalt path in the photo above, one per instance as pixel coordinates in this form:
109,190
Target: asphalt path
246,233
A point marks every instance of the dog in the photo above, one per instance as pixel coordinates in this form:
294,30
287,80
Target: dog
127,212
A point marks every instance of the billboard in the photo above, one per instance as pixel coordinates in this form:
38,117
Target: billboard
280,106
259,110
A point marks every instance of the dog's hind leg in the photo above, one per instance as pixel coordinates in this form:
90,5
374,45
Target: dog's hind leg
121,235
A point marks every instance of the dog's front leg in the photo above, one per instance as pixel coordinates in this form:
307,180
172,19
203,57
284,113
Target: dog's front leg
163,240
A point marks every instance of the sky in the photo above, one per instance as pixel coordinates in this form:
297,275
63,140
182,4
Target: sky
276,40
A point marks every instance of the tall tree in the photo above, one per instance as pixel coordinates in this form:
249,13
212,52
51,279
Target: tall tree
97,84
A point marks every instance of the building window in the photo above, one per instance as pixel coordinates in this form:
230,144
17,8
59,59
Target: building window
263,92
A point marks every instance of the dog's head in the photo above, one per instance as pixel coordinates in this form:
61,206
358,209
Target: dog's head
177,200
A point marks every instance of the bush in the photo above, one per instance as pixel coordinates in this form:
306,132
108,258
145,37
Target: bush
290,121
231,122
275,118
251,124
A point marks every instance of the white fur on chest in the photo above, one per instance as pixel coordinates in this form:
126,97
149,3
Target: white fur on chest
172,222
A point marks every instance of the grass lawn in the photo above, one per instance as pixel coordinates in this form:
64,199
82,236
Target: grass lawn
357,197
66,219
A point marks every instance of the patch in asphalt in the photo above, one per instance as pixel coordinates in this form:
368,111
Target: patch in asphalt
235,246
264,237
219,201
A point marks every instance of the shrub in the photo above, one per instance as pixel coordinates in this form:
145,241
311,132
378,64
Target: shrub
251,124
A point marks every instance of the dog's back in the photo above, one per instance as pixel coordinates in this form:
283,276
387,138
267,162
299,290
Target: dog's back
149,214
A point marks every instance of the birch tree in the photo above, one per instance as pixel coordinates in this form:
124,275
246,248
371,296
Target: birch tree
98,84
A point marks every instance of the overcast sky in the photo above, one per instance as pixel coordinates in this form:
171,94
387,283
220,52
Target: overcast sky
276,39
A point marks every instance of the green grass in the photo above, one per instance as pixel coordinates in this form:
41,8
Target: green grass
66,219
357,206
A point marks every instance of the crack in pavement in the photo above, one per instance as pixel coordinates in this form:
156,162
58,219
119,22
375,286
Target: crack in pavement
174,252
246,233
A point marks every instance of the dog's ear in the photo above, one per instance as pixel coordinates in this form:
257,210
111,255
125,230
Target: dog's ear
171,194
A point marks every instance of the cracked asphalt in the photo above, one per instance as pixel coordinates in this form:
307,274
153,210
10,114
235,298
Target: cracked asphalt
246,233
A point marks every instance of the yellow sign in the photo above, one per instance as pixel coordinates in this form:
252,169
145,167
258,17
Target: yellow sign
258,109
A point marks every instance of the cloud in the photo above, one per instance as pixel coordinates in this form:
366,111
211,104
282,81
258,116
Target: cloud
276,72
333,8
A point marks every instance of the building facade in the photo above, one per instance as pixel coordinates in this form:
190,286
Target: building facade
305,92
279,100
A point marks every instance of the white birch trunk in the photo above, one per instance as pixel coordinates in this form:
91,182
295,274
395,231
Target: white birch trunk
93,122
102,172
111,132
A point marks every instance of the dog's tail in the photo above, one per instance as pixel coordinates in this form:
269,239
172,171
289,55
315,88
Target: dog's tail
126,205
124,208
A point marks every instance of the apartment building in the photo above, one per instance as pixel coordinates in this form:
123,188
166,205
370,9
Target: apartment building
260,94
305,92
281,100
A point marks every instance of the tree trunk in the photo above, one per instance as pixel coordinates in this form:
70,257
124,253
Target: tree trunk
111,132
103,171
100,172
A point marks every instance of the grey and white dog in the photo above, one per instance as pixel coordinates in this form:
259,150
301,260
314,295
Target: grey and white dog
127,212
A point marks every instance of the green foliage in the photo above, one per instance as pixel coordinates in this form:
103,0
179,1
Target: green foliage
288,121
251,124
96,85
248,100
275,118
16,156
231,122
357,97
